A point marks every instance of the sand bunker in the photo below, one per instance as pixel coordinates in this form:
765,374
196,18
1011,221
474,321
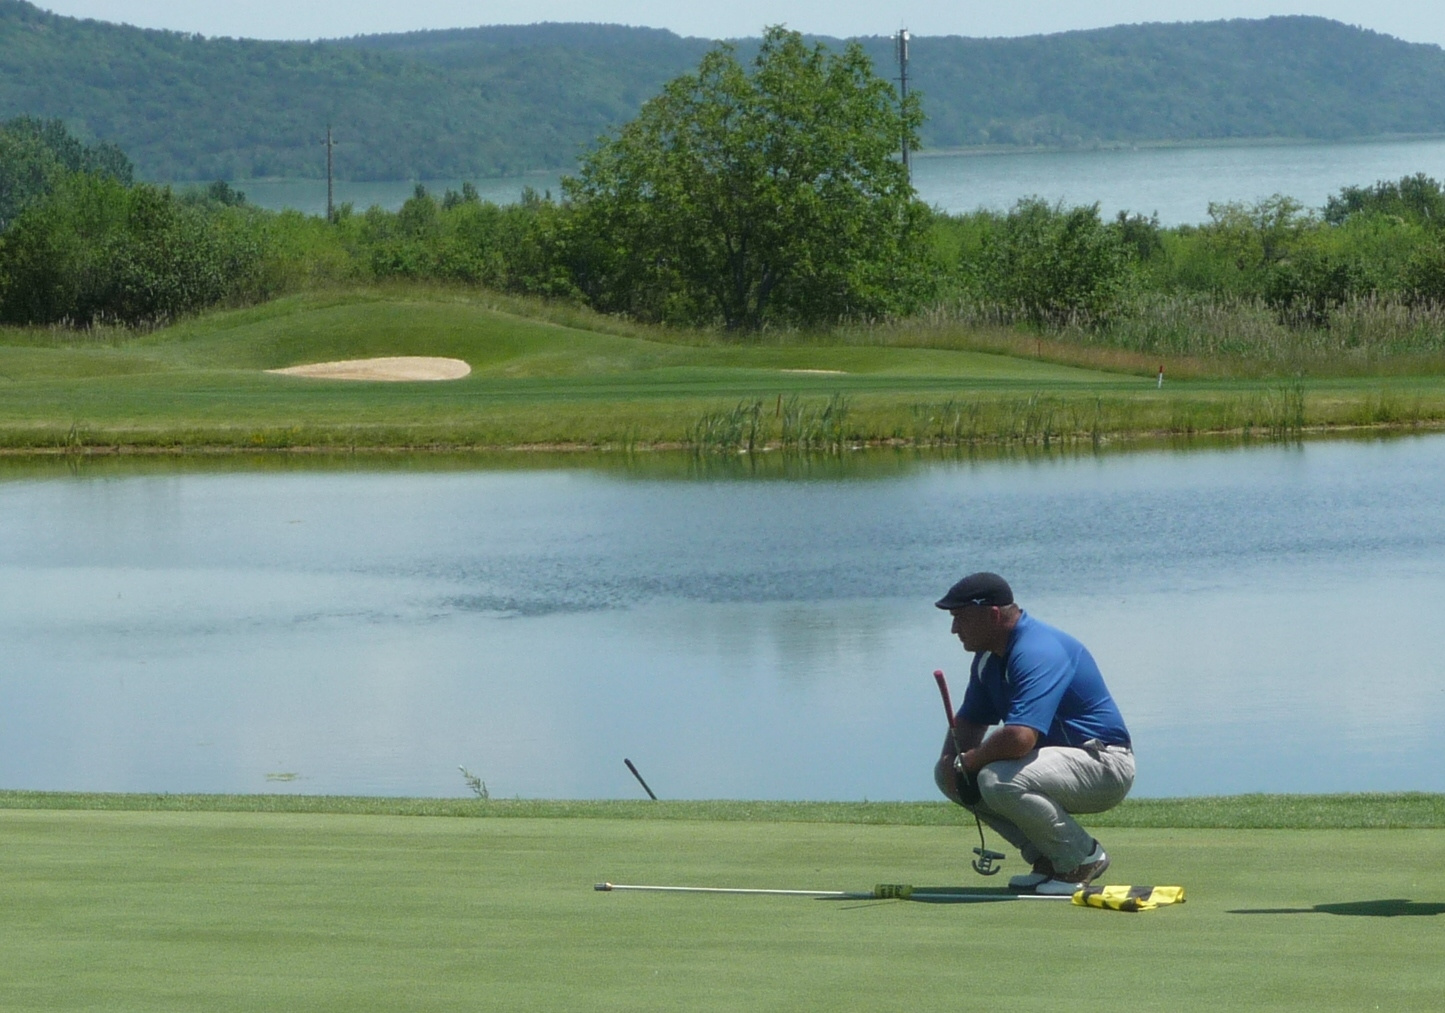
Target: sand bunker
397,367
829,372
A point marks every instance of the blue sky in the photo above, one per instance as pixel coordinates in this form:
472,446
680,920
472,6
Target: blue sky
1414,20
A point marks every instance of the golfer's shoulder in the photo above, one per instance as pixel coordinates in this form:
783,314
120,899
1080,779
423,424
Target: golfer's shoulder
1036,643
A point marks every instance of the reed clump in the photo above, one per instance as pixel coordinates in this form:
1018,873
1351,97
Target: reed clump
808,425
1280,412
1037,419
742,428
796,423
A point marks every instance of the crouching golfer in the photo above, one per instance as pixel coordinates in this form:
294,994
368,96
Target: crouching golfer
1061,746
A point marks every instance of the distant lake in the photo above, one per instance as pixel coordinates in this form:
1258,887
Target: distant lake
1269,618
1178,182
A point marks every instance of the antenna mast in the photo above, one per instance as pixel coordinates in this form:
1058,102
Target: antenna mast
902,45
330,205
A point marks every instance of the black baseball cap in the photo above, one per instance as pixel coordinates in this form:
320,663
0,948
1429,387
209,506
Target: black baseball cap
977,589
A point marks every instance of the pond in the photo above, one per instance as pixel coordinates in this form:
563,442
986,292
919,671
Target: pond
738,629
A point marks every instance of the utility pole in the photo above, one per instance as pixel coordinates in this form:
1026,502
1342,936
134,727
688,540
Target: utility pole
330,204
902,41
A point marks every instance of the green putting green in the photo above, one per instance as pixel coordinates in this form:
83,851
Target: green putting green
564,376
124,910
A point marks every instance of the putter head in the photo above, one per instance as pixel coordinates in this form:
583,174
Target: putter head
986,864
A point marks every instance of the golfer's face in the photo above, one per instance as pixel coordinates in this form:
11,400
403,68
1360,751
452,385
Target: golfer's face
972,624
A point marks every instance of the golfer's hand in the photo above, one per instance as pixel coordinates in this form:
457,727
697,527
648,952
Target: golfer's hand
960,763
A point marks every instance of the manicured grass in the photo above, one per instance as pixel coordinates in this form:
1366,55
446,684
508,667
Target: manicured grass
549,376
158,911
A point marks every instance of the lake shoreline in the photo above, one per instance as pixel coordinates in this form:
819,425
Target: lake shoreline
1254,811
1121,440
1176,178
1180,144
1155,144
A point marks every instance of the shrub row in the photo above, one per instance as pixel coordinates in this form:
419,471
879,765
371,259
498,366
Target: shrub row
86,246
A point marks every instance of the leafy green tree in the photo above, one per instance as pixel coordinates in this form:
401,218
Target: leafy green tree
753,195
103,159
1235,254
1307,287
468,195
1423,281
28,171
536,241
1418,198
222,193
1141,236
1055,264
405,244
1259,235
96,250
36,154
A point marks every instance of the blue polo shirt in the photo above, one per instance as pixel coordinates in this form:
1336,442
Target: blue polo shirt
1049,682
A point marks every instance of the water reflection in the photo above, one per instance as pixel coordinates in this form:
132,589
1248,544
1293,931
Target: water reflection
1266,616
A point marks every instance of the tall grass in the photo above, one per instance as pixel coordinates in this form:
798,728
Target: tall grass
1037,419
1283,411
1357,336
812,426
1197,334
794,424
742,428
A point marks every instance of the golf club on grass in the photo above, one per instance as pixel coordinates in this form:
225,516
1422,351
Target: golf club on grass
883,891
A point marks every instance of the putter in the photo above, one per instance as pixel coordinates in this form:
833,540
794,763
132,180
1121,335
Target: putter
986,864
883,891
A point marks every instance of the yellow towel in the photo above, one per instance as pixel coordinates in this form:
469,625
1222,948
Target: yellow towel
1129,898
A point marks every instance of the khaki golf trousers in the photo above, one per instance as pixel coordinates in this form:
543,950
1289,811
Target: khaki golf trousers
1028,801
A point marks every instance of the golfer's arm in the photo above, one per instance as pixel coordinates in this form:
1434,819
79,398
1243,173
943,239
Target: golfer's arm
1006,743
968,735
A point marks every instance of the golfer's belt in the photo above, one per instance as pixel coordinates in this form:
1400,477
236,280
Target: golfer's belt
1129,898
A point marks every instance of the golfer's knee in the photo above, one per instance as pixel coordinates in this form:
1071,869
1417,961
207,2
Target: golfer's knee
998,792
946,779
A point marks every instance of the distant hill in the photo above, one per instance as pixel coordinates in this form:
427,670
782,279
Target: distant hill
491,101
1287,77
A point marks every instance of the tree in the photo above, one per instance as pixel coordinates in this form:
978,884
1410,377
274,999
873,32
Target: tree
1057,265
1417,198
36,154
28,171
94,250
753,196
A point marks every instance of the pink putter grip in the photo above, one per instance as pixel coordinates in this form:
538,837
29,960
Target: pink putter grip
943,688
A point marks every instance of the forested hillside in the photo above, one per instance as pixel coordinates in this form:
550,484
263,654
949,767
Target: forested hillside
185,107
1296,77
491,101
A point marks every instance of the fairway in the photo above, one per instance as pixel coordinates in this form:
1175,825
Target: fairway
562,377
248,911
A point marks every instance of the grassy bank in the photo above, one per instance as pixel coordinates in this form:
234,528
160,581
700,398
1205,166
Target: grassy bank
1357,811
223,910
549,376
